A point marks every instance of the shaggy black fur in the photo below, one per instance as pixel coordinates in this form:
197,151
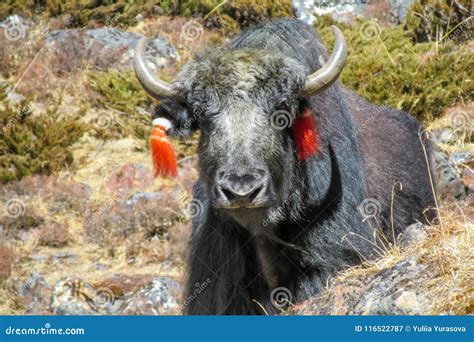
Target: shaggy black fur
370,161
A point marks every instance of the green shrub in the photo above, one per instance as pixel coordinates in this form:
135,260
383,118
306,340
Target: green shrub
123,94
35,144
386,67
82,12
435,20
232,15
236,13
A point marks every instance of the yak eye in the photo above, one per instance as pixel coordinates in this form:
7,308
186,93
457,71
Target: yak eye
283,106
213,114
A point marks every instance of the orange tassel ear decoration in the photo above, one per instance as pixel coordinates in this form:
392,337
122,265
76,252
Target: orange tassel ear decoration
305,133
162,151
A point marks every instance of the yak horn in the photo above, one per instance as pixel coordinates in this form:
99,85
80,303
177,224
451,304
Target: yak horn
153,86
329,72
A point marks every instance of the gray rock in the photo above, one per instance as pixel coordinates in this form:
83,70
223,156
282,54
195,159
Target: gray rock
100,266
392,291
158,298
15,97
107,47
414,233
35,294
400,8
72,296
443,136
462,158
468,180
39,257
64,255
139,196
342,10
446,176
387,292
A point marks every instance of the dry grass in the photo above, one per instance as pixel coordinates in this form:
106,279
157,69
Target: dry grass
446,256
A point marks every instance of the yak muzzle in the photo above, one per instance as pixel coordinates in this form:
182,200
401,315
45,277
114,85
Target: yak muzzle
249,189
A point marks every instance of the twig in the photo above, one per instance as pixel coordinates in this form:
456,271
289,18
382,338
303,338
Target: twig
215,9
420,137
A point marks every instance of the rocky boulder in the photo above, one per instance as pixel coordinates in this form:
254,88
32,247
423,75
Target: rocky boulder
393,11
391,291
106,47
145,296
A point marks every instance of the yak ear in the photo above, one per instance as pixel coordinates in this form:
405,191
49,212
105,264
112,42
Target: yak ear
305,132
179,115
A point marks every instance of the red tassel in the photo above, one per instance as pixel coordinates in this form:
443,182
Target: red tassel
305,134
162,151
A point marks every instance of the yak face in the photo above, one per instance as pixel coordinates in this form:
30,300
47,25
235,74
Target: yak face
244,102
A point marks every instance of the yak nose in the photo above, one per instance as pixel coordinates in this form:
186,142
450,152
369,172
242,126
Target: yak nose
241,189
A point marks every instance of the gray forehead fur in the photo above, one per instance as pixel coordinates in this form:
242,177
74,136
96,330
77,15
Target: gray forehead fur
220,75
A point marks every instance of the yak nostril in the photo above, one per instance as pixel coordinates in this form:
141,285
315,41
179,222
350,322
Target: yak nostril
228,194
232,193
255,193
235,189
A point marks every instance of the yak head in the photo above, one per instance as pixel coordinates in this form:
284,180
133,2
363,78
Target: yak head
245,103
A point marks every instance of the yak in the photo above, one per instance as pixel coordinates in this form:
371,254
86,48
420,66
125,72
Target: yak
299,177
